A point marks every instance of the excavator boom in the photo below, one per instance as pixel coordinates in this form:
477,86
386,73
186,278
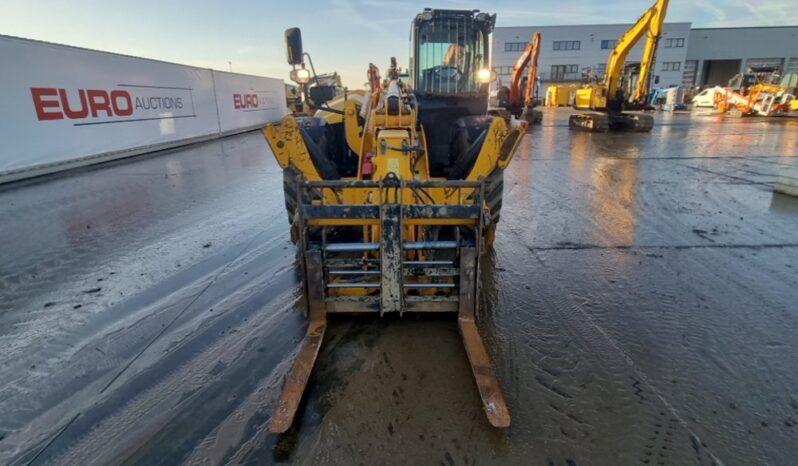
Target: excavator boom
520,102
649,24
532,76
529,57
615,94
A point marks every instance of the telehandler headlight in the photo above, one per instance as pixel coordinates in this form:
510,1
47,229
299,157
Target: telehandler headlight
485,75
301,76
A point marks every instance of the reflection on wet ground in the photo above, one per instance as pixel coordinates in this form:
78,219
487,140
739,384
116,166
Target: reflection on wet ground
639,306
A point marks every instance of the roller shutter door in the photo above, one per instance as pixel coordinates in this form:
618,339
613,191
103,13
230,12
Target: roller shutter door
690,68
756,62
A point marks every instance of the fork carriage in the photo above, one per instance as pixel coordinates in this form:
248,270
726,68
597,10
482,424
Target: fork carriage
414,247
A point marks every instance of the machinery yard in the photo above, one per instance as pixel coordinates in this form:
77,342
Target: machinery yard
639,307
560,245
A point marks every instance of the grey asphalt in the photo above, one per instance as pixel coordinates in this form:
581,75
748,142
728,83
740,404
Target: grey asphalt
641,307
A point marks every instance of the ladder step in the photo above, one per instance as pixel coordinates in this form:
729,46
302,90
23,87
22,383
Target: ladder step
350,262
429,263
431,299
353,285
429,285
430,245
378,285
354,272
432,271
354,299
339,247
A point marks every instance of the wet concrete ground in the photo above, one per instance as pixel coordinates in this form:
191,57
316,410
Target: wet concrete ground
641,307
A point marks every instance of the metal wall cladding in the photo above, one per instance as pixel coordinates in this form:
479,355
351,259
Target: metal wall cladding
61,104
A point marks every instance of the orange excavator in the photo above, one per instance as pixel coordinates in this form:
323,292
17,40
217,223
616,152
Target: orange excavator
511,98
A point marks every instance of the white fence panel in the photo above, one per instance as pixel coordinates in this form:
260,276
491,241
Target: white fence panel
248,101
64,106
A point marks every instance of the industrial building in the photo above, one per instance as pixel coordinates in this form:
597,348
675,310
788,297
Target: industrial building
716,54
685,56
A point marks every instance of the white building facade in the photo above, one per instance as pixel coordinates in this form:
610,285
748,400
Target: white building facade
685,56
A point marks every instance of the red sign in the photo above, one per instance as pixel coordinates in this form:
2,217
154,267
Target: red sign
244,101
54,104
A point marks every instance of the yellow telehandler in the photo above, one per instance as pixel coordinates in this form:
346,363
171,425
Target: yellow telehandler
393,199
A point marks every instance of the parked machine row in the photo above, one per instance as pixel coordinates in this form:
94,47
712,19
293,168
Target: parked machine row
617,101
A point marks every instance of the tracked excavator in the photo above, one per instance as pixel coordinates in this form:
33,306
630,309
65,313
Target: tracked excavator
393,200
605,105
522,104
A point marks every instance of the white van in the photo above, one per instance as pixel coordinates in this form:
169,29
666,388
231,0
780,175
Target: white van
705,98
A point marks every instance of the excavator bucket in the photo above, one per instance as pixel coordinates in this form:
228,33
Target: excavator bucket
391,254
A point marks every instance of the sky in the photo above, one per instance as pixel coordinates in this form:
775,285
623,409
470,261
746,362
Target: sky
340,35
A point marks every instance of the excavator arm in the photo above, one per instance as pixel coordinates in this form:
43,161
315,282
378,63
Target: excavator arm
516,103
528,57
650,23
532,77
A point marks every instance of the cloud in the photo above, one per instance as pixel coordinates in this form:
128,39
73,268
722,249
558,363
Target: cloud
718,14
393,4
353,15
752,9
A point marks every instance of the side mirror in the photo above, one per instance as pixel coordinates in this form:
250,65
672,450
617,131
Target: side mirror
319,95
293,46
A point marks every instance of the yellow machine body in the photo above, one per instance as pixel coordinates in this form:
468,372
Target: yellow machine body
381,140
591,96
394,195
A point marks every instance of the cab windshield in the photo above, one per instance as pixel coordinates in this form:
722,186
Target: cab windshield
450,53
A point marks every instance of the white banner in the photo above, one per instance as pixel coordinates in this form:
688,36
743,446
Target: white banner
246,101
60,104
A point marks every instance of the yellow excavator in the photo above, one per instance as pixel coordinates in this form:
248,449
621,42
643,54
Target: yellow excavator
393,200
625,87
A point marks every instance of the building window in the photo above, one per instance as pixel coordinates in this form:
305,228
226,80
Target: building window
601,69
564,72
567,45
504,70
514,46
608,44
674,43
671,66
